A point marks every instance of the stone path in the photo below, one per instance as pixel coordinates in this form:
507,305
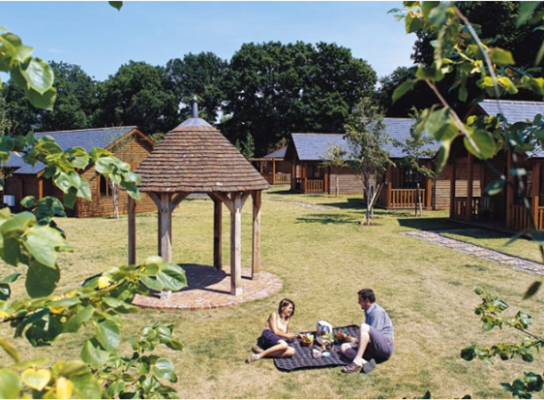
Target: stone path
209,289
436,237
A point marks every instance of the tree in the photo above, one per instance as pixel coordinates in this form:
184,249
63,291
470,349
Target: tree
335,156
365,133
459,51
420,97
415,147
33,239
274,89
199,75
76,100
138,94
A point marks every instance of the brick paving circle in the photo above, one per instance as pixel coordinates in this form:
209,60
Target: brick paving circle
209,288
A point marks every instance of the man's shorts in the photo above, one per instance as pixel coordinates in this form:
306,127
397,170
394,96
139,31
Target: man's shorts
380,348
268,339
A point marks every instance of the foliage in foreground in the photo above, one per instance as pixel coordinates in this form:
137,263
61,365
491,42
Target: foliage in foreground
460,53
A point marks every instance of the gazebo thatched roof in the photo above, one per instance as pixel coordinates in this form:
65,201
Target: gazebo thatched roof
196,158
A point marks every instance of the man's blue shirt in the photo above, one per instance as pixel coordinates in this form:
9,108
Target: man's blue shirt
378,318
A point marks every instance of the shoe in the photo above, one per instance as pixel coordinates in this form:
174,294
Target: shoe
256,349
350,368
252,357
369,366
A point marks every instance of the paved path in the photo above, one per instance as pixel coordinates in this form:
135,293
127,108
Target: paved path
437,238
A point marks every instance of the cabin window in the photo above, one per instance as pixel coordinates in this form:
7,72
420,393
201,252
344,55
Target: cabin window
105,190
411,178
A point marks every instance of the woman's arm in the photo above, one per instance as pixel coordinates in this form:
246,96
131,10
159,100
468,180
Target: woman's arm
273,325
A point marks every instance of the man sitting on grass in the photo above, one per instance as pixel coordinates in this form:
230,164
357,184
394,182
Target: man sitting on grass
376,339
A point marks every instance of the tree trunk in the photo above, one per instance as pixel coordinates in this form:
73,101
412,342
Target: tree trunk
115,195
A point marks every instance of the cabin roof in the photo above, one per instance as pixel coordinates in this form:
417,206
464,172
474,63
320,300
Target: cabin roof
85,138
277,153
313,146
195,157
515,111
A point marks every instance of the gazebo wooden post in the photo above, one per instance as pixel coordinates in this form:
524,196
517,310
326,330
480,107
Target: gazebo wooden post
131,231
217,232
256,244
236,244
165,227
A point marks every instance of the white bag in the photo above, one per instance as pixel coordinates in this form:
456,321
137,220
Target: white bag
323,327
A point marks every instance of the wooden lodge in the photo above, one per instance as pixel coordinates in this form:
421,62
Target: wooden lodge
505,210
273,167
306,152
126,143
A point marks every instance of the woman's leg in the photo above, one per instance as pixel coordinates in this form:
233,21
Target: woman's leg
279,350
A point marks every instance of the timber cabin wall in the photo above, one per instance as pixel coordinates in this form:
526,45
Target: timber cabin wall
348,182
132,150
442,189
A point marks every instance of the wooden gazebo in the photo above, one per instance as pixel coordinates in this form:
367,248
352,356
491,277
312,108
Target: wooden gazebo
196,158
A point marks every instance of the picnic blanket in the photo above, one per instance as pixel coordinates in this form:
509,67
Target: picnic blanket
303,358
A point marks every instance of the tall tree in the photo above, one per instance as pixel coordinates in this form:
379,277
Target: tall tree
415,147
366,135
138,94
76,99
335,156
198,75
273,90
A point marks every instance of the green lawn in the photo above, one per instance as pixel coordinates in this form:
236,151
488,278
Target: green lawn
324,257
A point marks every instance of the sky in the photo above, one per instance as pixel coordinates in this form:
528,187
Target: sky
100,39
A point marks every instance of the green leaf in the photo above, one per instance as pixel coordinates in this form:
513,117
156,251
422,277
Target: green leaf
41,280
75,321
174,345
514,238
28,202
429,73
10,385
73,368
403,88
483,140
116,4
36,379
164,369
86,387
495,187
442,157
8,348
532,290
93,355
108,334
500,56
11,278
115,388
44,101
42,243
39,75
525,11
172,277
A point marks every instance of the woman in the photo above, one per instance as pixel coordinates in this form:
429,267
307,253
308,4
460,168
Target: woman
272,341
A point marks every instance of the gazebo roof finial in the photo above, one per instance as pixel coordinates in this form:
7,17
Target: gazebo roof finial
195,107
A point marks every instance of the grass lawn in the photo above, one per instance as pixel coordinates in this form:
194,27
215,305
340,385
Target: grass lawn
324,257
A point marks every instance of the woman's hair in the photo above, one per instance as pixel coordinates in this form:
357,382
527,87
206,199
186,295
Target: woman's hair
285,302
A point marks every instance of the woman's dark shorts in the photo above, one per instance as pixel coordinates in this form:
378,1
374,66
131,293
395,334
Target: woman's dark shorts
268,339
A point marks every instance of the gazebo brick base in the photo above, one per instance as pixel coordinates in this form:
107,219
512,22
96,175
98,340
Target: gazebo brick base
209,288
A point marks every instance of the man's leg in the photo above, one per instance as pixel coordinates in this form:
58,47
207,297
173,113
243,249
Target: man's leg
358,361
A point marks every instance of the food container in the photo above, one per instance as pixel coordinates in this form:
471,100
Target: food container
316,353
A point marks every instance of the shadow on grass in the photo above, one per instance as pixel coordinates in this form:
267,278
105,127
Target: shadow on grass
353,204
328,219
427,224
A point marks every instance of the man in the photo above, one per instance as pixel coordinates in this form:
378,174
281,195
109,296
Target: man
376,339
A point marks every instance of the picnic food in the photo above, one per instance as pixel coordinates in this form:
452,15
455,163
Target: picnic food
307,339
341,336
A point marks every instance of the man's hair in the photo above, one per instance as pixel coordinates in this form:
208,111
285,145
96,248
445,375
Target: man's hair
367,294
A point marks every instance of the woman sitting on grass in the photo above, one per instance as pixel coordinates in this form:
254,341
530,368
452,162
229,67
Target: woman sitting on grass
272,343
